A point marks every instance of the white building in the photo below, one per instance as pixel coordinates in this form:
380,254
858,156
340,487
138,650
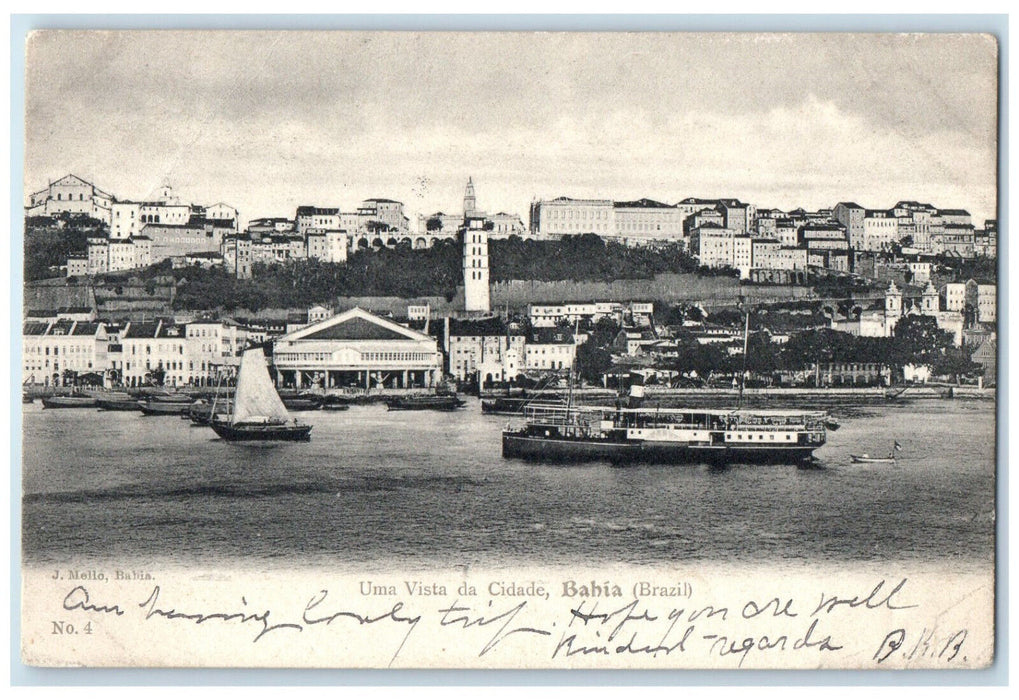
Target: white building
52,348
70,195
564,216
714,247
987,303
549,349
880,230
213,348
357,349
149,347
485,349
327,246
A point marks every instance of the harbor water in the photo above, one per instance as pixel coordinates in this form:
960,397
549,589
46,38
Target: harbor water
408,489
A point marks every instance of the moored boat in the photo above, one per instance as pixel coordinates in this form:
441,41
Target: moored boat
117,401
302,402
73,401
669,436
434,402
163,408
258,413
512,405
170,398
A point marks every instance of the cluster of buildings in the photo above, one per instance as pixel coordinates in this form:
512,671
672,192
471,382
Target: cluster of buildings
352,349
138,233
764,245
770,245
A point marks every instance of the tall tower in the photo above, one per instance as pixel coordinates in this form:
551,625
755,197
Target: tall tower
476,292
930,300
470,202
893,308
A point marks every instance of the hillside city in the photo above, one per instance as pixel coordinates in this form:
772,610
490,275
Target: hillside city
161,292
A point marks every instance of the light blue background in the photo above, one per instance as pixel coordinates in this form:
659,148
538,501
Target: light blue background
22,24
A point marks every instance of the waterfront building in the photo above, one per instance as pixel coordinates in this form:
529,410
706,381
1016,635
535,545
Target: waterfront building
55,351
213,349
357,349
487,349
70,195
549,349
150,347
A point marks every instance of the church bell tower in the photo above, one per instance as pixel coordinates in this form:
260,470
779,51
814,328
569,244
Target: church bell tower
470,201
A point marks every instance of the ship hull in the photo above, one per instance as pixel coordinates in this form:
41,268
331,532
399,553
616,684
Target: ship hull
262,433
566,450
441,403
117,404
68,402
167,408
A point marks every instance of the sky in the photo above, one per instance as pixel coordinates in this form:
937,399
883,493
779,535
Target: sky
268,121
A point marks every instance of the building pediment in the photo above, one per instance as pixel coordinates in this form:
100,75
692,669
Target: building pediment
354,325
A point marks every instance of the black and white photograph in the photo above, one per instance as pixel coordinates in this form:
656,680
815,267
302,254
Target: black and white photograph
509,350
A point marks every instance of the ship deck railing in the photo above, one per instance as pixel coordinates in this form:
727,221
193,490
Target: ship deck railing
692,418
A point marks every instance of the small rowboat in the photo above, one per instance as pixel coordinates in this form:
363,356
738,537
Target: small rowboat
867,459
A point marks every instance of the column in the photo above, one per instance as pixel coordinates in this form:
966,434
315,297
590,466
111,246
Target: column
405,382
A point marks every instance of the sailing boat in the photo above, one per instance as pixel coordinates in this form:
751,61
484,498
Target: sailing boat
258,412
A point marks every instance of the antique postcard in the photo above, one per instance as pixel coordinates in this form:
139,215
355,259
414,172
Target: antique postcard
509,350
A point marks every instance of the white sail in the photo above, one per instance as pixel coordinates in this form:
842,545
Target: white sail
256,398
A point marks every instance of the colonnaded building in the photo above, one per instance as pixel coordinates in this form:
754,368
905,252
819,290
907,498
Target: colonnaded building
357,349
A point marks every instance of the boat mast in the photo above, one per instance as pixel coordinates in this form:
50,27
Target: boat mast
215,397
746,339
569,394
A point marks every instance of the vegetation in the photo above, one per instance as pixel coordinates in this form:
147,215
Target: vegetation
982,270
582,258
398,271
49,242
593,356
406,272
